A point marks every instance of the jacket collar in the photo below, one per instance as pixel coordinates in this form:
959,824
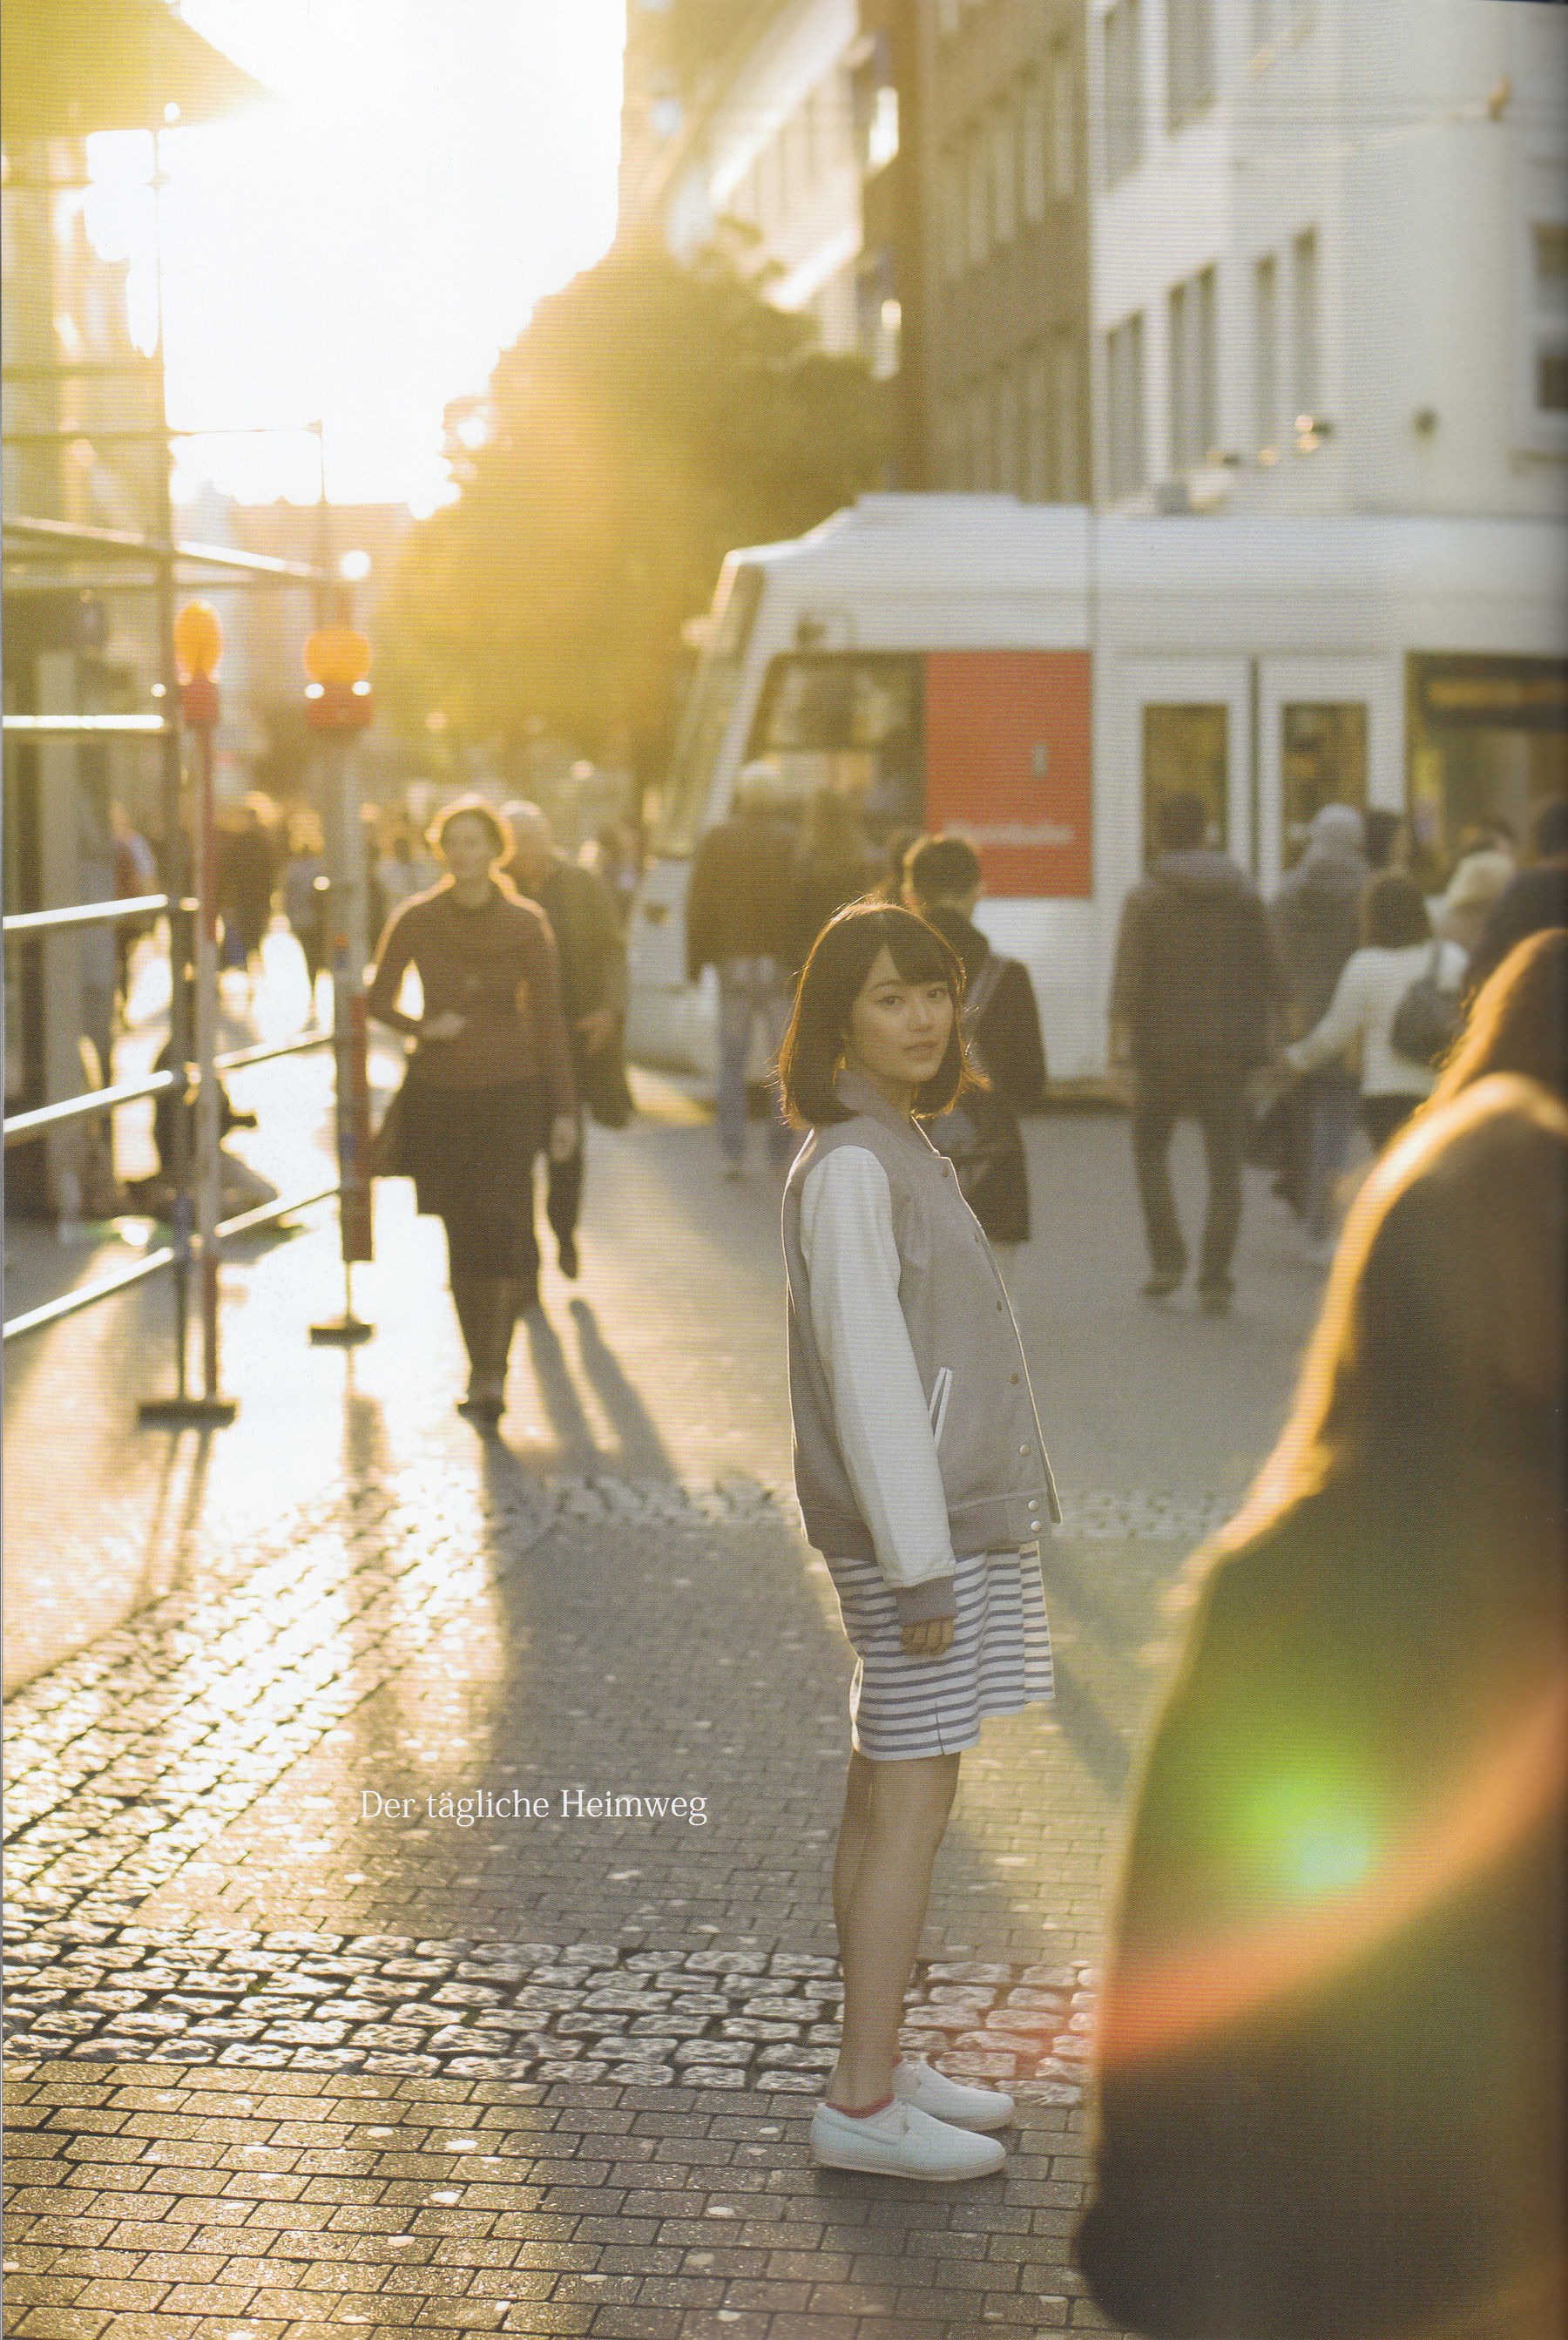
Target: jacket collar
861,1096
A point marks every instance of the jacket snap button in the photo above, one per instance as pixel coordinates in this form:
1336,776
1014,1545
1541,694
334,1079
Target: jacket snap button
1023,1450
1014,1379
999,1307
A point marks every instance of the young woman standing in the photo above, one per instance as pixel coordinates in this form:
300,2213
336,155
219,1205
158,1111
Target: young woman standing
923,1483
490,1081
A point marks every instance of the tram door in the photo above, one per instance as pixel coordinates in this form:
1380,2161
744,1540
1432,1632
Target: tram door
1328,733
1191,734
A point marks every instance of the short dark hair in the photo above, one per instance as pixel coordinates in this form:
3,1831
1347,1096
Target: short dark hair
473,808
1549,828
842,958
1181,821
1394,911
940,867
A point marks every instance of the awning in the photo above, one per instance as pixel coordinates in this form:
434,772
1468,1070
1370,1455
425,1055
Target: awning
74,66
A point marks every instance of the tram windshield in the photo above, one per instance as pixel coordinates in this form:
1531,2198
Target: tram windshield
846,722
709,707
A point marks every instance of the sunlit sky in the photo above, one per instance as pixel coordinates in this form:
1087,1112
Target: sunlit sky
365,248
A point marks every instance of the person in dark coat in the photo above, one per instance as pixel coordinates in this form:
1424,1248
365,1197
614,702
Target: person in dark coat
247,873
1197,989
1316,919
1329,2060
943,884
738,922
589,938
1536,898
832,866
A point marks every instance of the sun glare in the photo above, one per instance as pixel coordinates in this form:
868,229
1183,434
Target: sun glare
360,251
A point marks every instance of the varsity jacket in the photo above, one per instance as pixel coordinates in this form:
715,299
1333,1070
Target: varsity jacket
995,1476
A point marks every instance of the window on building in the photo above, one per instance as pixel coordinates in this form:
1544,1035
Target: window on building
1193,371
1066,410
1002,138
1266,358
1063,126
979,434
1032,143
1006,467
1549,258
1122,33
1189,59
1035,480
1305,302
976,196
951,469
950,212
946,17
1126,467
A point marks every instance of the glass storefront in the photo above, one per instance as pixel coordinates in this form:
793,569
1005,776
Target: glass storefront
1322,761
1488,740
1187,751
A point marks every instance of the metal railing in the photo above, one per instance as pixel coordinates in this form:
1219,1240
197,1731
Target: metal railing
20,1126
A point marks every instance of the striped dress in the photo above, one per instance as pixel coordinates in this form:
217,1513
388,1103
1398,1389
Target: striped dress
1000,1660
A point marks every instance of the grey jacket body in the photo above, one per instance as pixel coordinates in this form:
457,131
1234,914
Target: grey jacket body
1317,918
995,1473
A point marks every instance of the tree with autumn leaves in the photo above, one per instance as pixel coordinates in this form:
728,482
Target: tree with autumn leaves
652,416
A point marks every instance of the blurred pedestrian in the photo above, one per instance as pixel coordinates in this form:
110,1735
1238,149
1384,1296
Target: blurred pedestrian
239,1188
1001,1026
1316,919
890,887
135,872
1383,837
489,1083
833,865
1480,875
922,1480
1518,1022
1330,2045
1397,948
1536,897
246,874
590,949
304,891
615,855
738,922
1197,986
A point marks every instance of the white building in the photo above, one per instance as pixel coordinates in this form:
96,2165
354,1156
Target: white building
1330,254
770,140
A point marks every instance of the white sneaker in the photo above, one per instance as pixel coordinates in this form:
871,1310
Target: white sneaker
901,2141
930,2091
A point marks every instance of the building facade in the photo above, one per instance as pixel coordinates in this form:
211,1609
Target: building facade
1006,207
1330,254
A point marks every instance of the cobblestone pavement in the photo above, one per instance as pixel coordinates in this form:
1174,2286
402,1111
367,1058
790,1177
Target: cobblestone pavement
297,2046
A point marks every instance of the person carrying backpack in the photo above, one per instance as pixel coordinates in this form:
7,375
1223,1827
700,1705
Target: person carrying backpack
1001,1026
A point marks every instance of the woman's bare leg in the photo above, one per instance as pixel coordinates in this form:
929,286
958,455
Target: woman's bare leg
895,1814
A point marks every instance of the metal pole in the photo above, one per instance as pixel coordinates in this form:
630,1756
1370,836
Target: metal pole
175,880
346,935
208,1173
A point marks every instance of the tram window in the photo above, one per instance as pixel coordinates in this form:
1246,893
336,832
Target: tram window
847,722
1187,751
1322,761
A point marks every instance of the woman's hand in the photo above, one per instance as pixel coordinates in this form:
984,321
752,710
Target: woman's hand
563,1138
444,1026
933,1638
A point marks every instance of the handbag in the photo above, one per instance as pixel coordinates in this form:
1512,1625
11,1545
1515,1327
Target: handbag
1427,1019
386,1145
603,1080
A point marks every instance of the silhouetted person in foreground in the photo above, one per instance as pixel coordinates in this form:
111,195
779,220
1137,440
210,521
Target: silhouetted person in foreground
1330,2055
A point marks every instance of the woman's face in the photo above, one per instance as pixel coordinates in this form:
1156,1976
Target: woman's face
899,1029
467,847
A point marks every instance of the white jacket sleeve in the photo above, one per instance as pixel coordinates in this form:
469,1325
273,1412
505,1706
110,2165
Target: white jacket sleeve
1344,1020
879,1408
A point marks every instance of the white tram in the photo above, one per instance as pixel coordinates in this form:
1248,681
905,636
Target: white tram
1035,678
